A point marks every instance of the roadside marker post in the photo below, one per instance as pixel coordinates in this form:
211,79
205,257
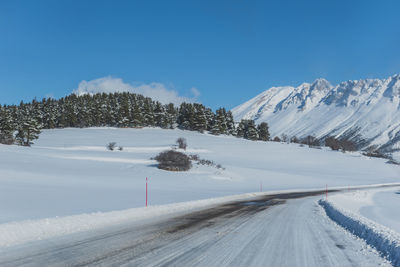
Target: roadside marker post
146,192
326,192
260,186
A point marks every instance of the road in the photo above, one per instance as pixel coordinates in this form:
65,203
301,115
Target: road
275,230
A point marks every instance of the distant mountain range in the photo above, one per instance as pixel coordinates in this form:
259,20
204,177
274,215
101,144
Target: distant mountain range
364,111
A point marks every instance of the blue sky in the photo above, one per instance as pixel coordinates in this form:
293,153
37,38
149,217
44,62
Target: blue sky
229,51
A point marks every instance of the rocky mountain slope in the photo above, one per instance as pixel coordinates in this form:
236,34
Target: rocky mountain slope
365,111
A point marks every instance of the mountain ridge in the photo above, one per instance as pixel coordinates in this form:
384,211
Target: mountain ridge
366,111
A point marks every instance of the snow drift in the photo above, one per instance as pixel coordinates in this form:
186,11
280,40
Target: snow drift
386,241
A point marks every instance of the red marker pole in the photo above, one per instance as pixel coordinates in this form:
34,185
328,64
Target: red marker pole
146,192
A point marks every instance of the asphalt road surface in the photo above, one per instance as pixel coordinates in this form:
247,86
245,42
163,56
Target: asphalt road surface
274,230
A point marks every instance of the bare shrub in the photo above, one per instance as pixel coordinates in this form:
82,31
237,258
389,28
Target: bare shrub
194,157
173,161
311,141
276,139
111,146
295,140
284,138
373,151
347,145
219,166
181,143
205,162
120,148
333,143
6,140
336,144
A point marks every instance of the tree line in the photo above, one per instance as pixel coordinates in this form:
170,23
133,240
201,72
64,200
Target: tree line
22,123
328,141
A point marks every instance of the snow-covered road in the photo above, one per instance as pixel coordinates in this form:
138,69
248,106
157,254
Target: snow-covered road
275,230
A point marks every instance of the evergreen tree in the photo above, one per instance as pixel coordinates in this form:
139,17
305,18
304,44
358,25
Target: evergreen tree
220,125
171,116
137,117
61,118
49,114
28,131
108,110
71,111
159,116
247,129
186,116
241,129
209,114
263,131
216,127
6,128
124,118
230,124
200,119
251,133
148,112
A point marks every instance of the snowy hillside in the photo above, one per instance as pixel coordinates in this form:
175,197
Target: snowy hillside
70,171
365,110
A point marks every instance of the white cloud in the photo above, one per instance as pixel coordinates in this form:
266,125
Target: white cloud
195,92
157,91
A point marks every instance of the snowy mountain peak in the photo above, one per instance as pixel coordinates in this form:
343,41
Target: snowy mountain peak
393,86
321,84
366,111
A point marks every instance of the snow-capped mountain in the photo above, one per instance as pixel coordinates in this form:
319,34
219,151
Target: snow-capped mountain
366,111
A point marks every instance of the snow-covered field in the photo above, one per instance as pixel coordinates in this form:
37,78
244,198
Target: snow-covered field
69,171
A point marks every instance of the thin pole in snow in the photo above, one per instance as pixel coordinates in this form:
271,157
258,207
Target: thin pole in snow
326,192
260,186
146,192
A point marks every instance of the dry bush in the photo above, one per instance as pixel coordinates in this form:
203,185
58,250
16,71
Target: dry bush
276,139
295,140
181,143
111,146
373,151
173,161
333,143
194,157
336,144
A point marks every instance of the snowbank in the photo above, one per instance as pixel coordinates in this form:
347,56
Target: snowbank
381,205
385,240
